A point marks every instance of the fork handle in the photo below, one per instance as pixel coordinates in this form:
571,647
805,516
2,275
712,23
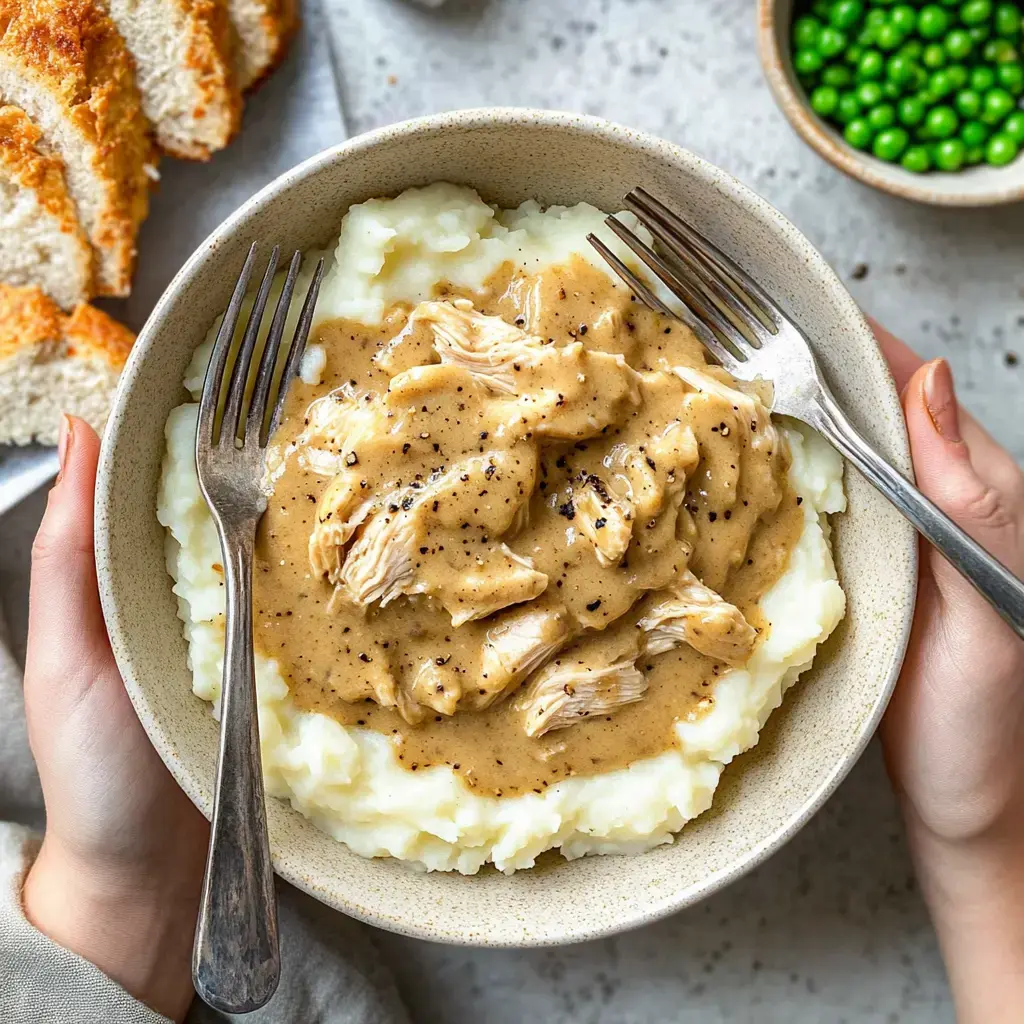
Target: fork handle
236,961
988,576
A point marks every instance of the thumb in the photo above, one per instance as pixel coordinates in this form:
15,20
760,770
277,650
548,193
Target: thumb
66,633
942,463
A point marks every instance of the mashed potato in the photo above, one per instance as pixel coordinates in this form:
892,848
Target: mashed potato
348,781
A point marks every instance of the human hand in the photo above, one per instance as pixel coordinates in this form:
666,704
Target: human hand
954,731
118,877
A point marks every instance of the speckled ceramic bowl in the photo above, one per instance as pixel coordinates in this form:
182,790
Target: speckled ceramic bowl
808,746
974,186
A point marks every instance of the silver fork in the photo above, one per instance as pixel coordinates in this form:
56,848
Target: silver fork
236,961
751,337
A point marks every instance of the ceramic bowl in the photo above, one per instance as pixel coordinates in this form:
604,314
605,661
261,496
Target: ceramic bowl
974,186
808,746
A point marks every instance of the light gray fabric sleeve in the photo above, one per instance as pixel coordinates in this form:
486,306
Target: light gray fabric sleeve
39,980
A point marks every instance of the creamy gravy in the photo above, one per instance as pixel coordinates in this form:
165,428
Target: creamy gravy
510,490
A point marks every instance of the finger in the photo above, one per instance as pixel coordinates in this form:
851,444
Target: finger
991,461
66,629
902,359
945,472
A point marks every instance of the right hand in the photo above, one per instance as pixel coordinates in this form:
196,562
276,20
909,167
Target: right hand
954,732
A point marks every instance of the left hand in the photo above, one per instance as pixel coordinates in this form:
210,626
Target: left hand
118,877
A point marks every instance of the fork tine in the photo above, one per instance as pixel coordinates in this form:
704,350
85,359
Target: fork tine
710,252
707,337
298,345
219,356
712,286
707,313
243,361
268,363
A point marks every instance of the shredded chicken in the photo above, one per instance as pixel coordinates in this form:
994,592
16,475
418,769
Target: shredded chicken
567,392
562,695
396,552
694,614
603,519
752,417
437,687
341,509
485,345
518,643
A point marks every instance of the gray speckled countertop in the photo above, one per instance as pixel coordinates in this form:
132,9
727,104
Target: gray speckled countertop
832,929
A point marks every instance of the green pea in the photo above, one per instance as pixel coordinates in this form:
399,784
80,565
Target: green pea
858,133
853,55
934,56
806,31
979,33
917,160
890,37
976,12
824,100
881,117
871,65
876,18
1011,77
848,108
1001,150
949,155
869,93
932,22
912,50
899,69
867,36
837,76
940,84
968,103
892,90
1014,127
1007,20
941,122
822,8
807,62
958,44
958,75
982,79
831,41
847,13
999,51
904,17
974,155
890,144
974,134
911,111
997,105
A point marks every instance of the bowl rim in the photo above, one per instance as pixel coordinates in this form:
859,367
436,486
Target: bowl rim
828,144
466,120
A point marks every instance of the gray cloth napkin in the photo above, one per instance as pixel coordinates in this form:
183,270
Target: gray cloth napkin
331,971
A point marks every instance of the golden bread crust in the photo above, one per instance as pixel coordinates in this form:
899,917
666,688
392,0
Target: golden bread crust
29,318
71,50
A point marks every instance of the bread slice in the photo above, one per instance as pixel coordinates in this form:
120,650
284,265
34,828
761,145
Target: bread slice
41,241
51,363
183,59
65,64
263,29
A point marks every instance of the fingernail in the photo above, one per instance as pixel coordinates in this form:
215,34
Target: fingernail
940,399
64,440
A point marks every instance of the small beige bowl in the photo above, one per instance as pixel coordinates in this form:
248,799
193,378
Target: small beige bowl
808,746
975,186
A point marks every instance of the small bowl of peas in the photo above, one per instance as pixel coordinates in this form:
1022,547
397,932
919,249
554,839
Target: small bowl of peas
924,100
